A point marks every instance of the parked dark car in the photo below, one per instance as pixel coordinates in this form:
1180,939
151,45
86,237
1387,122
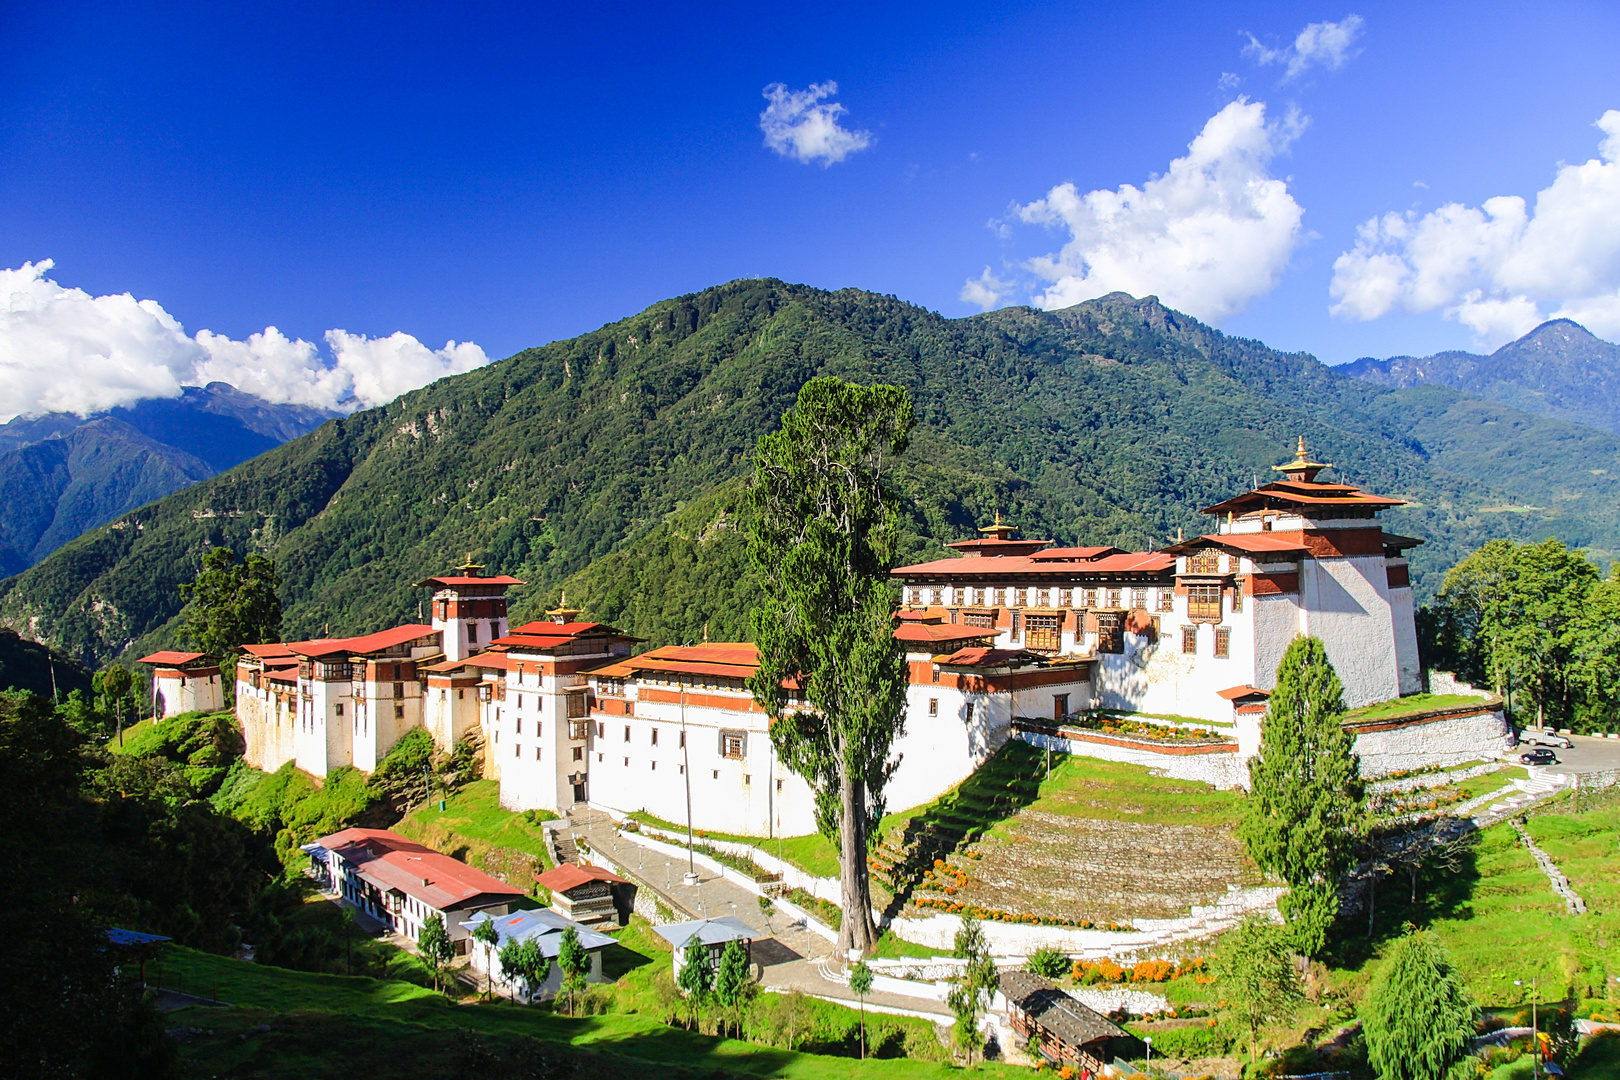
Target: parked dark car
1538,757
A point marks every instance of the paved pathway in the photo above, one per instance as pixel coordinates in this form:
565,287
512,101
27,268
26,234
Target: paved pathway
793,958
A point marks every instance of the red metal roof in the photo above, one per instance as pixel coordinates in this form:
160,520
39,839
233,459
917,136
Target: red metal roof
499,579
266,651
1234,693
986,657
393,862
1014,566
1255,542
173,659
937,633
1300,493
1074,554
569,876
998,547
382,639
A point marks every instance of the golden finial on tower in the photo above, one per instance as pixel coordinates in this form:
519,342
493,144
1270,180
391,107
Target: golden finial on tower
1302,469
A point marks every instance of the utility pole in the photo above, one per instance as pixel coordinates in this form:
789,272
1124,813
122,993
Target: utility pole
691,877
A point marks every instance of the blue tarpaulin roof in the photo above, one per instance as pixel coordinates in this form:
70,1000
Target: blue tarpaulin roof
132,937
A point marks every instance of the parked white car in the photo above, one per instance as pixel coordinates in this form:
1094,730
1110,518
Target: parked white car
1545,738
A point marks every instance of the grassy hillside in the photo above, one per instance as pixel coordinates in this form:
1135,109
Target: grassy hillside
1112,421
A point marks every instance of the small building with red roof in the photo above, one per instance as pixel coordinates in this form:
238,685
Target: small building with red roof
184,682
590,895
403,884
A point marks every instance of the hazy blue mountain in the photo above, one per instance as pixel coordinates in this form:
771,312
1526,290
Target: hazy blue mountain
1558,369
62,474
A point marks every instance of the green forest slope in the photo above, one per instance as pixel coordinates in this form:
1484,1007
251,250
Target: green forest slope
614,461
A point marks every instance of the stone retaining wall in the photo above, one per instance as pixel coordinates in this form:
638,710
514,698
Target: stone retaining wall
1444,738
1219,767
1435,779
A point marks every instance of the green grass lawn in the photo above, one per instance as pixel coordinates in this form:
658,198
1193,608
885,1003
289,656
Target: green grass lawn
1412,703
475,828
286,1024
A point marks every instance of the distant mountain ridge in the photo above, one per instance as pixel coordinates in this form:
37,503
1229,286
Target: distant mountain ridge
61,474
1558,369
614,463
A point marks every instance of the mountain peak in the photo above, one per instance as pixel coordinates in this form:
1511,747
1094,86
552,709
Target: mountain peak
1558,369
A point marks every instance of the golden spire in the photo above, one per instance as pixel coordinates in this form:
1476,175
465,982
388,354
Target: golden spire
562,613
470,568
1302,469
998,530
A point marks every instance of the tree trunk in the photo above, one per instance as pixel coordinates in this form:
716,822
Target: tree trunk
854,883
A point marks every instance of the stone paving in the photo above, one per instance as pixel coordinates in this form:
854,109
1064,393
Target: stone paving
792,957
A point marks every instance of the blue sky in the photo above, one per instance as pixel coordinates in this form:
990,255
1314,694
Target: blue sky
415,174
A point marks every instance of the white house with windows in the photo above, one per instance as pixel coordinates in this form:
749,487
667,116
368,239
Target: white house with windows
402,884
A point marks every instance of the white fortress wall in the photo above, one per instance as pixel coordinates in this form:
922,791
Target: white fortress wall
1444,741
1346,603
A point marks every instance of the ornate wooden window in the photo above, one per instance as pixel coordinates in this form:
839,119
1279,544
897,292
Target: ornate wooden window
1113,598
1016,627
1091,598
979,618
1065,597
577,705
1223,641
577,729
733,744
1204,603
1139,598
1207,561
1110,632
1167,600
1043,633
1001,598
1189,640
1237,596
911,596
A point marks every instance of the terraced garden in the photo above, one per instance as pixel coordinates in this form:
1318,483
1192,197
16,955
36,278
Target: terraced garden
1095,842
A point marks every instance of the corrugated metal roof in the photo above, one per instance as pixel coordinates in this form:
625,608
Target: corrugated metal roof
707,931
390,861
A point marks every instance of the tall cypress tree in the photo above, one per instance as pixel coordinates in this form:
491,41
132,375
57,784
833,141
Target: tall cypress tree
1417,1014
824,539
1306,792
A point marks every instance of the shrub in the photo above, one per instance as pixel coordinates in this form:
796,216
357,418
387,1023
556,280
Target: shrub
1048,963
1151,971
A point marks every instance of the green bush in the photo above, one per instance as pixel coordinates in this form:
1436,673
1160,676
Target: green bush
1048,963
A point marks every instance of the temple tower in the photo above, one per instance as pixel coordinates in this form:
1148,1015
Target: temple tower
469,610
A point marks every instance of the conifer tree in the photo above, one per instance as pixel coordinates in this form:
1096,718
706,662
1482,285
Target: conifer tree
575,963
1306,794
860,983
487,936
696,977
231,604
823,539
1417,1014
435,945
1256,977
972,989
731,982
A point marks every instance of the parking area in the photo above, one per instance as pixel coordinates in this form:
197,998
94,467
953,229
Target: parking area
1586,755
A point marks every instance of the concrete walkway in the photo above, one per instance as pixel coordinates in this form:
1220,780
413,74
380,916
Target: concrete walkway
792,957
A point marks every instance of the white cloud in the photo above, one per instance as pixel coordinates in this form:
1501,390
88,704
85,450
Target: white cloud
1498,267
797,125
986,290
1327,44
63,350
1207,237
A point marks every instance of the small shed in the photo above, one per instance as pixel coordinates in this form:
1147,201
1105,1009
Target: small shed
546,929
1066,1030
589,894
714,934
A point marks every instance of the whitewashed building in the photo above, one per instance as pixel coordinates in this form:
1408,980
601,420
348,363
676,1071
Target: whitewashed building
184,682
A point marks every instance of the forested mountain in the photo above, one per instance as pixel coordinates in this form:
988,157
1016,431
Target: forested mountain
62,474
1558,369
613,462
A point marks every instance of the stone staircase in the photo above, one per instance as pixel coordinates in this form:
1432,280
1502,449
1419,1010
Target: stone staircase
1560,883
1507,801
